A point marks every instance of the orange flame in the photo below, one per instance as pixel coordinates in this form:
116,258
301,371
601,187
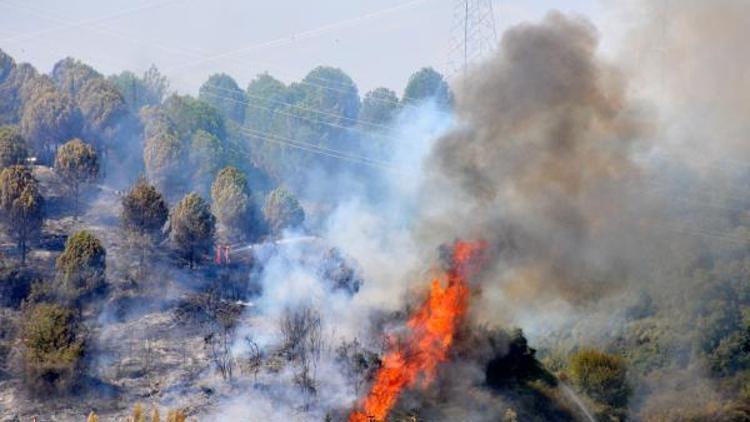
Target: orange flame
432,328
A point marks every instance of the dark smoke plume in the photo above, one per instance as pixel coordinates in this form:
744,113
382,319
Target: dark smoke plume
542,164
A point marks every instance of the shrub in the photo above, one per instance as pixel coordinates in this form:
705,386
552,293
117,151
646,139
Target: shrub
601,376
52,347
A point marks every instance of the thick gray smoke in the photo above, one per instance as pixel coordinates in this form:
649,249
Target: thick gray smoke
600,184
542,167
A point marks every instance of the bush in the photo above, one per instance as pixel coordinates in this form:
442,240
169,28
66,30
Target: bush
601,376
15,284
515,363
732,354
52,347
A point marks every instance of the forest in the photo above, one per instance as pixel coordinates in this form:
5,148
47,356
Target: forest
265,252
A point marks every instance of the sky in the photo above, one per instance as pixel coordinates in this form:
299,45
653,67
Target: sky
378,43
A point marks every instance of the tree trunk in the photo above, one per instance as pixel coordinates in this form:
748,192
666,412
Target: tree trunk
75,199
23,252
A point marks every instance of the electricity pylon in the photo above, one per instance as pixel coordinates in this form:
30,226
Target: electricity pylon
474,34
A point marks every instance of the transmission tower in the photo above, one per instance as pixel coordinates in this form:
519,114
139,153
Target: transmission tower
473,34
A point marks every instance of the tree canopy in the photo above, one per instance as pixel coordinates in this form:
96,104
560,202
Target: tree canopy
379,108
428,84
283,211
22,206
601,376
76,163
164,153
82,265
144,209
189,115
12,147
206,157
147,90
192,228
223,93
233,205
53,347
49,119
71,75
107,118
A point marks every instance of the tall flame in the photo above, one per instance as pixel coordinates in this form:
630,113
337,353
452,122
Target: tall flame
432,328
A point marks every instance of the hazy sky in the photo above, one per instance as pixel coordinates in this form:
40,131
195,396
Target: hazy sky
378,43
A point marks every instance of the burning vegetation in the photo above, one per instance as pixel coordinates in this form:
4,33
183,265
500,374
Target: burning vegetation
432,328
262,253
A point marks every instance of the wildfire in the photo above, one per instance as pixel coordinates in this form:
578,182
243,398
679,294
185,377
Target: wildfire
432,328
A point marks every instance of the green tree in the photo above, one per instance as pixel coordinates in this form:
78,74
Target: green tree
265,95
324,105
71,75
49,118
22,206
233,205
144,209
206,157
601,376
16,79
163,153
107,118
76,163
428,84
52,346
6,66
156,84
282,211
223,93
192,228
148,90
12,147
379,108
189,114
144,213
329,90
82,265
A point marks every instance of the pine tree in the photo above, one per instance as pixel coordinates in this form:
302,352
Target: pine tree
233,205
21,206
81,267
282,210
76,163
192,228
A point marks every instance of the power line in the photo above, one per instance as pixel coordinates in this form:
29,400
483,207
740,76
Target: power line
311,148
69,25
193,54
354,121
305,34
